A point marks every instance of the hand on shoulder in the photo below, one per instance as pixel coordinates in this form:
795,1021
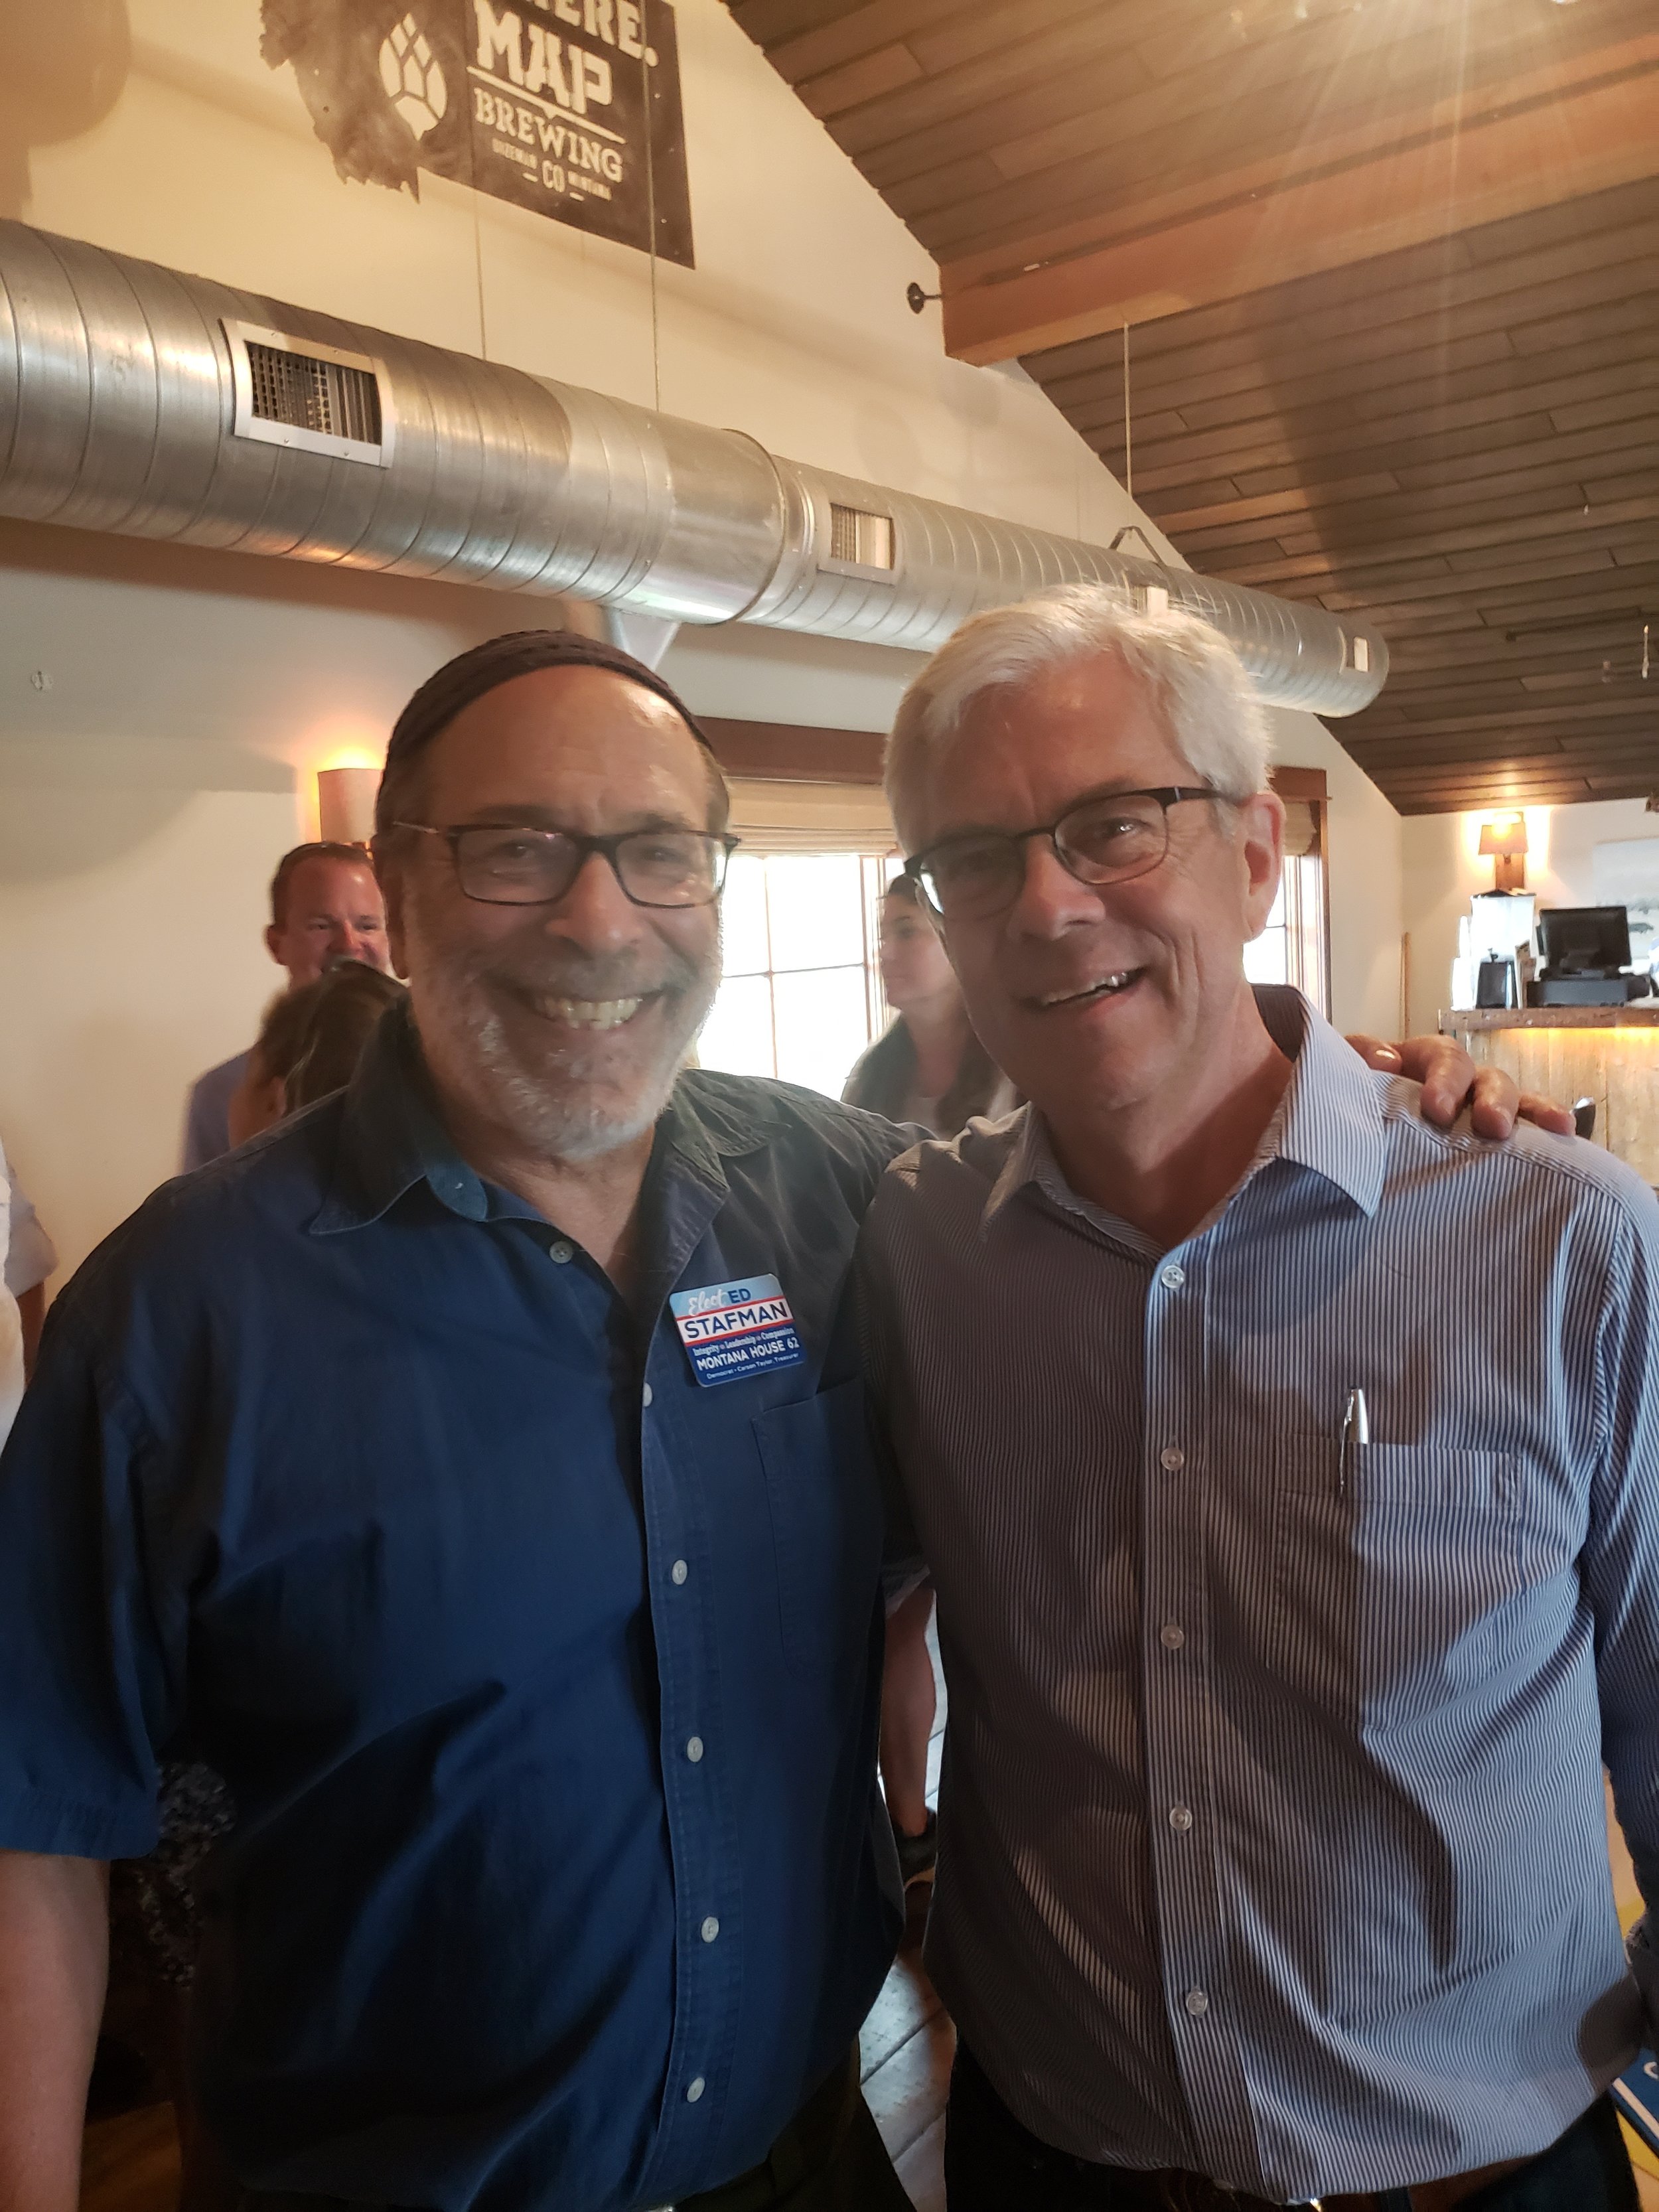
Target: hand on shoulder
1451,1081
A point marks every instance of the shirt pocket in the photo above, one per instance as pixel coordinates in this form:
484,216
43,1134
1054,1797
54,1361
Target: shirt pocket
1390,1586
825,1503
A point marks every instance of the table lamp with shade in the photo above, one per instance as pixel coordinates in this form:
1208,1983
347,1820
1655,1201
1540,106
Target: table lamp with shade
345,804
1505,840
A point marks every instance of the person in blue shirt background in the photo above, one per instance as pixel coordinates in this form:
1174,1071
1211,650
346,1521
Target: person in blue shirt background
474,1471
325,910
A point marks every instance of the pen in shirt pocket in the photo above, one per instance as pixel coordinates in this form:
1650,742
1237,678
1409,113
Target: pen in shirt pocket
1355,1431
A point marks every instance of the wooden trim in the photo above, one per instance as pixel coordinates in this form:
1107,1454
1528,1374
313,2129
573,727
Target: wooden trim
1300,782
803,752
1634,1015
794,752
1528,144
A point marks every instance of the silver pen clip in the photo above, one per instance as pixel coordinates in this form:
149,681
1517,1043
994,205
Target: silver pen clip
1356,1429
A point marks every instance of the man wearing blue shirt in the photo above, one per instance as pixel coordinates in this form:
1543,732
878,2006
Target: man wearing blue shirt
474,1471
539,1646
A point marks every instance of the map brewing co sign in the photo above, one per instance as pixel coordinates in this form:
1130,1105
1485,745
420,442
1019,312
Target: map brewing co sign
569,107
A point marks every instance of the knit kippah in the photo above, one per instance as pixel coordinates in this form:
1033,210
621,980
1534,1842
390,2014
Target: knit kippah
498,660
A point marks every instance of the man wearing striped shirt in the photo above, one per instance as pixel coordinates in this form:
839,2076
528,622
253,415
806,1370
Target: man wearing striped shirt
1288,1469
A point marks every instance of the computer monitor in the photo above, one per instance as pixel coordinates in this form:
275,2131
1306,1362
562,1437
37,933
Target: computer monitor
1583,940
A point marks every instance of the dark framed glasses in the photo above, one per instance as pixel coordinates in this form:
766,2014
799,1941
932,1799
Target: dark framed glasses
1111,840
501,864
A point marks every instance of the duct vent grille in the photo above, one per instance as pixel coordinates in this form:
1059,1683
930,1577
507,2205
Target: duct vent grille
308,394
293,391
861,540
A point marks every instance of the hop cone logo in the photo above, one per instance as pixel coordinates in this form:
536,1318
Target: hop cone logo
413,80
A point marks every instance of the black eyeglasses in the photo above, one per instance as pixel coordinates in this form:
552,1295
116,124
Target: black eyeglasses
1110,839
502,864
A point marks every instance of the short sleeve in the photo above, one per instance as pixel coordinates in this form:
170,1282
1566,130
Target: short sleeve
88,1689
31,1255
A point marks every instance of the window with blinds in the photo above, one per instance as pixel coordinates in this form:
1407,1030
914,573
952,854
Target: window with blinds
1294,947
800,991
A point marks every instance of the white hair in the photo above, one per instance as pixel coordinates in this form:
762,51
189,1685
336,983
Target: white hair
1195,679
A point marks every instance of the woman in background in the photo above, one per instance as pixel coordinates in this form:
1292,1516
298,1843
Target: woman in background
309,1043
928,1067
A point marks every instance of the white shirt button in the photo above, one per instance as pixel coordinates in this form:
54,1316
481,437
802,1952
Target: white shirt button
560,1253
694,2089
1172,1276
644,1395
694,1748
710,1928
1172,1457
679,1571
1172,1636
1197,2001
1180,1817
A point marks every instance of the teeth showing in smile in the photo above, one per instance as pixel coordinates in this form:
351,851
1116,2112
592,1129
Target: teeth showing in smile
1103,989
591,1013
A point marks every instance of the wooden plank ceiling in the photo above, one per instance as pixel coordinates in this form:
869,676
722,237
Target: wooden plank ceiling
1458,438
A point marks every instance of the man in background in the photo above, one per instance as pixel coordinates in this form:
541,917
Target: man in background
325,908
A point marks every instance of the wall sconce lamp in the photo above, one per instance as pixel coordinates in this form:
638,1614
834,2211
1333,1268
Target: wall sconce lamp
345,804
1506,841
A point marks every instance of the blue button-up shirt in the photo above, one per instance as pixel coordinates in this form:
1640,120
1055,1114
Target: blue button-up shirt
1272,1840
544,1677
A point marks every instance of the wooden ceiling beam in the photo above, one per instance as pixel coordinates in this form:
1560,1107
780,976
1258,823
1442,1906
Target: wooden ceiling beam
1533,298
1451,273
1581,126
1237,114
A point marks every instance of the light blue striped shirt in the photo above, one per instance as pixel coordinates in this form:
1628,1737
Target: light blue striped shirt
1271,1815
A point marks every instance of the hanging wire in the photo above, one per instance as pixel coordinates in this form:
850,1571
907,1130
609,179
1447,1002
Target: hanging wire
476,195
477,262
650,196
1128,437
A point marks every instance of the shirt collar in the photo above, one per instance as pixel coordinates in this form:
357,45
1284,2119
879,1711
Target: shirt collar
1330,1121
393,1137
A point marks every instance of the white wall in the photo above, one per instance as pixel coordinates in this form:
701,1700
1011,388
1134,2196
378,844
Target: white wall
150,780
1364,872
1441,870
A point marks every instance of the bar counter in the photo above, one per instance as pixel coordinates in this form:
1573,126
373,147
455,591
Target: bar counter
1609,1054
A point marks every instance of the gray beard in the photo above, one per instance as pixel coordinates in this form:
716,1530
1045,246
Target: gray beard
551,1111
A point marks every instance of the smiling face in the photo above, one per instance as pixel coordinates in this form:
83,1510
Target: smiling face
562,1025
1107,998
332,911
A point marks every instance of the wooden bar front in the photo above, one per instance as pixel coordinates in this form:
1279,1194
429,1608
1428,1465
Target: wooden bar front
1609,1054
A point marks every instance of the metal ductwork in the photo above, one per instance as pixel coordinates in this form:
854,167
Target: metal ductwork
137,400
